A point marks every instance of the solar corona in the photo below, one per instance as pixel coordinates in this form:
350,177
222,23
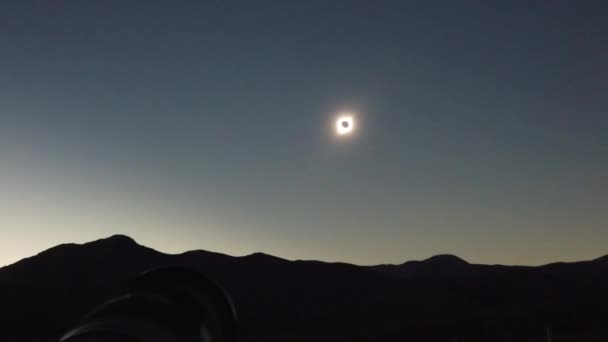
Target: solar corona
345,124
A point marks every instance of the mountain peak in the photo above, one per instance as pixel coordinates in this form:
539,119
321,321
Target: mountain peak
262,256
121,237
447,259
115,240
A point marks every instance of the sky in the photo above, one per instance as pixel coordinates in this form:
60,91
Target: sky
480,128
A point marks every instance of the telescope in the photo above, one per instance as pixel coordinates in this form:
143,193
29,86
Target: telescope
168,304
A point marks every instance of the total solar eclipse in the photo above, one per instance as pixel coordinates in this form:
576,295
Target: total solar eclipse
345,124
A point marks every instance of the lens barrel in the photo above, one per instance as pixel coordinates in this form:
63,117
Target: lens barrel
163,305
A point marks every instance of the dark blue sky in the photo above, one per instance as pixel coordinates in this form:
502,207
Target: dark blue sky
207,124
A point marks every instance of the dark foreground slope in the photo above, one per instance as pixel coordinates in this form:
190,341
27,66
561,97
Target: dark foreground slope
440,299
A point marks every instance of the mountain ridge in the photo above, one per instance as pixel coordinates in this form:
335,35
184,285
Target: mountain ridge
435,299
125,241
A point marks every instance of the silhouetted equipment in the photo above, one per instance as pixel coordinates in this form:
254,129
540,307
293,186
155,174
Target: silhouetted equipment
163,305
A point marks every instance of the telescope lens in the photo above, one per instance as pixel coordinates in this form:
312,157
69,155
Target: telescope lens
163,305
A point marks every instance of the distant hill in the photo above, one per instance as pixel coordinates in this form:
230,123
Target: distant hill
443,298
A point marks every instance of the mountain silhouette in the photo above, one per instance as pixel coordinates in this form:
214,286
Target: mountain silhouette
443,298
439,266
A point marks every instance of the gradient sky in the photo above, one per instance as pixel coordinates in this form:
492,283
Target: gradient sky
207,125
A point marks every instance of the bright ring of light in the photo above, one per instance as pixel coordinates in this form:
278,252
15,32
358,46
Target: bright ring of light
345,124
